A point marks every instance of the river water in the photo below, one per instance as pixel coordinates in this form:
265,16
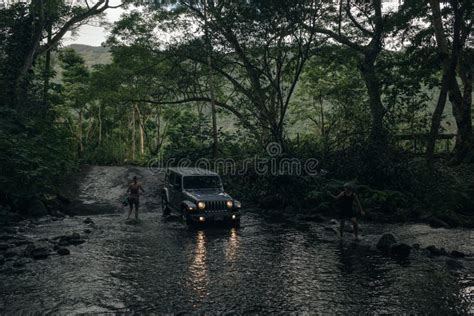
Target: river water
160,265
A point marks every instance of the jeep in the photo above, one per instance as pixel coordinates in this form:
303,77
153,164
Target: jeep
198,196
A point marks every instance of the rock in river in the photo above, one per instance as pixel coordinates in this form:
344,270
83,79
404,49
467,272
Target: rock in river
40,253
457,254
385,243
63,251
400,251
436,251
88,221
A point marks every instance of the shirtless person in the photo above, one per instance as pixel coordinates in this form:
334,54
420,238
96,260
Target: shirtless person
347,212
134,196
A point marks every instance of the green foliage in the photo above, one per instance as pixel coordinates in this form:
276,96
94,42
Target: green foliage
34,156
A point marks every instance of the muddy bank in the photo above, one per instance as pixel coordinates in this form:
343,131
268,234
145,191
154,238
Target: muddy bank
100,189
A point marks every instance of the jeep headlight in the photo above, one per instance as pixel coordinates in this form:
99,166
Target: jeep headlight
201,205
229,204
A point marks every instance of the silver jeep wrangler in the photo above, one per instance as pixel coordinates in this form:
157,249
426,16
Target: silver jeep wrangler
198,196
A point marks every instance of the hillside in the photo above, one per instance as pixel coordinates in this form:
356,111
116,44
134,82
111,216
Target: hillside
93,55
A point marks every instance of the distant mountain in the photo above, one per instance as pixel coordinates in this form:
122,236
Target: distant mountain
93,55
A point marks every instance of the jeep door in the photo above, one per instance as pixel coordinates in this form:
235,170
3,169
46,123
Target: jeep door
176,191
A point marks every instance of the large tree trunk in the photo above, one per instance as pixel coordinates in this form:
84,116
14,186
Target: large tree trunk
378,134
461,101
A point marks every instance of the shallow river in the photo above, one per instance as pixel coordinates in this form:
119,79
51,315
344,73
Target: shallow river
162,266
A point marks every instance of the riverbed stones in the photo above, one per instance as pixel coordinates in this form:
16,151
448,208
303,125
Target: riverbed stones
87,231
63,251
385,242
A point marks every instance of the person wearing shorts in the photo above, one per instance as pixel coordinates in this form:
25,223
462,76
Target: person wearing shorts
134,196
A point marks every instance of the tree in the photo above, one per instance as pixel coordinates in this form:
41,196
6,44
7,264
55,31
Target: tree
456,62
259,51
76,97
32,30
363,27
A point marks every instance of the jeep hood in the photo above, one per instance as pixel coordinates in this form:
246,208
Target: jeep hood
208,195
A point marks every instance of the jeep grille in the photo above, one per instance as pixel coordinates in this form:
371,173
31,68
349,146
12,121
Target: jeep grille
215,205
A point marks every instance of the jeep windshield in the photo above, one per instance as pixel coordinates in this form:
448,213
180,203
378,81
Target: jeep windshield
202,182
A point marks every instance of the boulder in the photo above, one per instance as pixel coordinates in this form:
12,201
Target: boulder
385,242
36,208
75,236
87,231
435,252
416,246
457,254
401,251
40,253
63,251
88,221
334,222
76,241
437,223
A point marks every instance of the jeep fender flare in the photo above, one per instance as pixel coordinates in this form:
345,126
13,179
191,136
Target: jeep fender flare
188,205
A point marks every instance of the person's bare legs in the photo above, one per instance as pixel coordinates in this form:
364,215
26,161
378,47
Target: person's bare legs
341,228
130,211
355,228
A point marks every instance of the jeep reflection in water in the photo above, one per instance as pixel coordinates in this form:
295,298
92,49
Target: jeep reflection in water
198,195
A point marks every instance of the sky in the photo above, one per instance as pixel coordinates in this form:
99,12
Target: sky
94,35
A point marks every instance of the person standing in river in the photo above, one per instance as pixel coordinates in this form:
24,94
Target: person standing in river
346,211
134,196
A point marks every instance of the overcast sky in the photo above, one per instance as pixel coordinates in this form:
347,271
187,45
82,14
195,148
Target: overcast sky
94,35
